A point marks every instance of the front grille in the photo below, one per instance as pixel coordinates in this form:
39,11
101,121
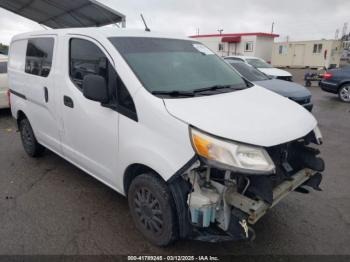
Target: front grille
285,78
279,155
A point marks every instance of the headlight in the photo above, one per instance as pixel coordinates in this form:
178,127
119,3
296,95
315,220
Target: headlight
240,157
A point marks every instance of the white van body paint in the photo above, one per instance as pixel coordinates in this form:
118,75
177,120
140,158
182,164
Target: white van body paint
105,143
243,116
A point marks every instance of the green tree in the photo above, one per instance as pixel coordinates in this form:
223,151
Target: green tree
3,49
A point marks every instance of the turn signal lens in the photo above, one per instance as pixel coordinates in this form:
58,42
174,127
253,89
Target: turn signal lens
202,146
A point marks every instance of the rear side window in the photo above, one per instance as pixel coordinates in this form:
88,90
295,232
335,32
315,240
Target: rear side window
3,67
39,56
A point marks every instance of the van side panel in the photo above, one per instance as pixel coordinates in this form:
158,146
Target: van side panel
157,140
16,76
90,134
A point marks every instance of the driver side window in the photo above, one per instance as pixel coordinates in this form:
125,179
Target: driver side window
85,58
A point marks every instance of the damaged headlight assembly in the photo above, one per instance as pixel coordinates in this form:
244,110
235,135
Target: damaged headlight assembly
229,155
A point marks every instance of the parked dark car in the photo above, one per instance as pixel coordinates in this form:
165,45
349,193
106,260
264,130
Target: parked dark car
293,91
337,81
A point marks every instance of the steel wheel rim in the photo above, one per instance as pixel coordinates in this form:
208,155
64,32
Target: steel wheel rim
149,211
345,93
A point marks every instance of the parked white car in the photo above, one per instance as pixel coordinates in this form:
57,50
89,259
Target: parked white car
199,151
263,66
4,103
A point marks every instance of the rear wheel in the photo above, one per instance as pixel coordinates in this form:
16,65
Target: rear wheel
344,93
30,144
152,209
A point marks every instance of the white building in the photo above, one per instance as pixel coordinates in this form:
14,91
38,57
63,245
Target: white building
246,44
346,48
314,54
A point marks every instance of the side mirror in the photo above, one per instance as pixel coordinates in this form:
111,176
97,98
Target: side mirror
95,88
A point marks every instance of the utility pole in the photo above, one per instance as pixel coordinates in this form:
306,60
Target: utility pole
336,34
272,27
220,31
345,29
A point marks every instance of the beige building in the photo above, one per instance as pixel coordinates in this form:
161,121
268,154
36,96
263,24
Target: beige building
245,44
314,54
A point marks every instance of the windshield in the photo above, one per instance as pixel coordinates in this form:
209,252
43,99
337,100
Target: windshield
249,72
177,66
258,63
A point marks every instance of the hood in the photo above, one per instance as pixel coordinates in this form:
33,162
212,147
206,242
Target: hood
254,116
274,72
285,88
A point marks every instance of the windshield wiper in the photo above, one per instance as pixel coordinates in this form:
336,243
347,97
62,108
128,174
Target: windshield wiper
174,93
216,88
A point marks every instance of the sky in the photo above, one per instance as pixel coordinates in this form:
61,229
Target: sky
296,19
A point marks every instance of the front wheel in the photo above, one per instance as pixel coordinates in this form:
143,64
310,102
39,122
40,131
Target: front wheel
152,209
30,144
344,93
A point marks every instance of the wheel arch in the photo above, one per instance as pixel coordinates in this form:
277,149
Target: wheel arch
19,116
134,170
346,82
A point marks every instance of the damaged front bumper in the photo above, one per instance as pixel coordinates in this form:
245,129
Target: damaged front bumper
255,209
215,204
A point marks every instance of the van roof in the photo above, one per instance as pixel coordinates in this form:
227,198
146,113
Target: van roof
100,32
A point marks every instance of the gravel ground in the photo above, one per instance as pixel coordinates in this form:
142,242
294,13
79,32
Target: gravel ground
48,206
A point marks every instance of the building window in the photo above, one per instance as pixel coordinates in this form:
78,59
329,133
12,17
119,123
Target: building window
346,45
317,48
282,49
248,47
221,47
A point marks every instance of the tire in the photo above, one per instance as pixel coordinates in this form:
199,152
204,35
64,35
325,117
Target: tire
344,93
29,142
152,209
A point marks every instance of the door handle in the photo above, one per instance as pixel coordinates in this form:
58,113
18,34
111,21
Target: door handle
68,101
46,94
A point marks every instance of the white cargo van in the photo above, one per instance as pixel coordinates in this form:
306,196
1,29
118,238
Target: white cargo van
199,151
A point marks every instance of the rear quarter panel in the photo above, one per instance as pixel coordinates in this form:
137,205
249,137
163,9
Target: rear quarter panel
16,76
340,76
